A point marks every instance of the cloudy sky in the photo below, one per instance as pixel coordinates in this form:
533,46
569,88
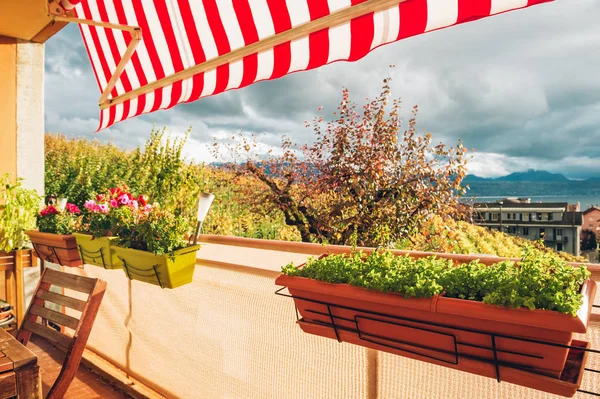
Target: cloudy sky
521,88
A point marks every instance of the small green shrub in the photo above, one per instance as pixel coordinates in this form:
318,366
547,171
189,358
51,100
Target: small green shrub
539,281
380,271
158,231
18,207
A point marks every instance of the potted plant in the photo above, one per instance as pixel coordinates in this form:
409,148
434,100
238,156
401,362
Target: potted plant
96,235
18,207
152,246
514,322
17,213
53,240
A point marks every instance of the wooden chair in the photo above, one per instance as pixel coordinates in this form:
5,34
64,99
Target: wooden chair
82,326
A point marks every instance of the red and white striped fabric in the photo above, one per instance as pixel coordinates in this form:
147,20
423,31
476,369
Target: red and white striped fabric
69,4
178,34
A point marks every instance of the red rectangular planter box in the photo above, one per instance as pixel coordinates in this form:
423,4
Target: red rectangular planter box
451,332
56,248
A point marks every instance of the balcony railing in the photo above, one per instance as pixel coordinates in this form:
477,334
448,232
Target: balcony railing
226,335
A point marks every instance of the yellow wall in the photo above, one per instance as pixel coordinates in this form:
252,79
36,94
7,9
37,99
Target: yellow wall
8,106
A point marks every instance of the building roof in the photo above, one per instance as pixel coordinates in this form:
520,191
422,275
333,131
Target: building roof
521,205
569,216
573,218
590,209
567,222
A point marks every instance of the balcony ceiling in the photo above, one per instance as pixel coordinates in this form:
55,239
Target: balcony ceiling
27,20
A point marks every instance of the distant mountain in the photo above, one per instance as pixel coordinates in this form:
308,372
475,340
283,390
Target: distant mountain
474,178
531,175
534,175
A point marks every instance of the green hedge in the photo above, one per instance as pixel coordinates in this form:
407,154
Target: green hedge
539,281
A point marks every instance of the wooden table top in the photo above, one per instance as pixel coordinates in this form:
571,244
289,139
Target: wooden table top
13,354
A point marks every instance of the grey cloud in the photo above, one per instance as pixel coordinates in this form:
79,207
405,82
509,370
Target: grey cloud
522,85
67,50
229,103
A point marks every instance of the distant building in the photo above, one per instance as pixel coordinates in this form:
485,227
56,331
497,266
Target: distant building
591,220
557,222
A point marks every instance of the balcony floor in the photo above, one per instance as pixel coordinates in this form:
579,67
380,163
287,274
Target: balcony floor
86,384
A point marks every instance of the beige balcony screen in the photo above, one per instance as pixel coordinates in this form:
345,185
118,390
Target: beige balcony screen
227,335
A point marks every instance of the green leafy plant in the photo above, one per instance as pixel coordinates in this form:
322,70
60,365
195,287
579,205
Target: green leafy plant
380,271
17,213
539,281
158,231
79,169
56,221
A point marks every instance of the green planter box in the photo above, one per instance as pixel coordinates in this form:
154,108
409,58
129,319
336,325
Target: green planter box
167,271
98,251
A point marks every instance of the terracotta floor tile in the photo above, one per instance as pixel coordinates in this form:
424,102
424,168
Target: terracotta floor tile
86,384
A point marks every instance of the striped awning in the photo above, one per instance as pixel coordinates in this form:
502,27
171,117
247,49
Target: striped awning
187,50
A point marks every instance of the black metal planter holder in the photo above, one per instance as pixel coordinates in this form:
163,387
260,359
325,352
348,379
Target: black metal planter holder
133,272
452,357
47,256
50,256
92,255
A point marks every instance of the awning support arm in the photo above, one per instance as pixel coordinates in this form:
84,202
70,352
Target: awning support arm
136,37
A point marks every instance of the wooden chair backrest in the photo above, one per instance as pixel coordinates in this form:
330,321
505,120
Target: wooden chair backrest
82,325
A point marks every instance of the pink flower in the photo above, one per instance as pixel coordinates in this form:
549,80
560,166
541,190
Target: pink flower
114,203
72,208
103,208
90,204
124,199
134,205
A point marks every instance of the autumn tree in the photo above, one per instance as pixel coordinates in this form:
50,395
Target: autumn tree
363,180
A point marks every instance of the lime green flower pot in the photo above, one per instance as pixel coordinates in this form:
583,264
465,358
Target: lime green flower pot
167,271
98,251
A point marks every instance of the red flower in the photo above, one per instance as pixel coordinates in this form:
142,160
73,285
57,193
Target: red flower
72,208
143,200
100,198
116,192
49,210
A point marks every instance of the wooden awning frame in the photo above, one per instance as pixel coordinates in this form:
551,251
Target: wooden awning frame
58,14
332,20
